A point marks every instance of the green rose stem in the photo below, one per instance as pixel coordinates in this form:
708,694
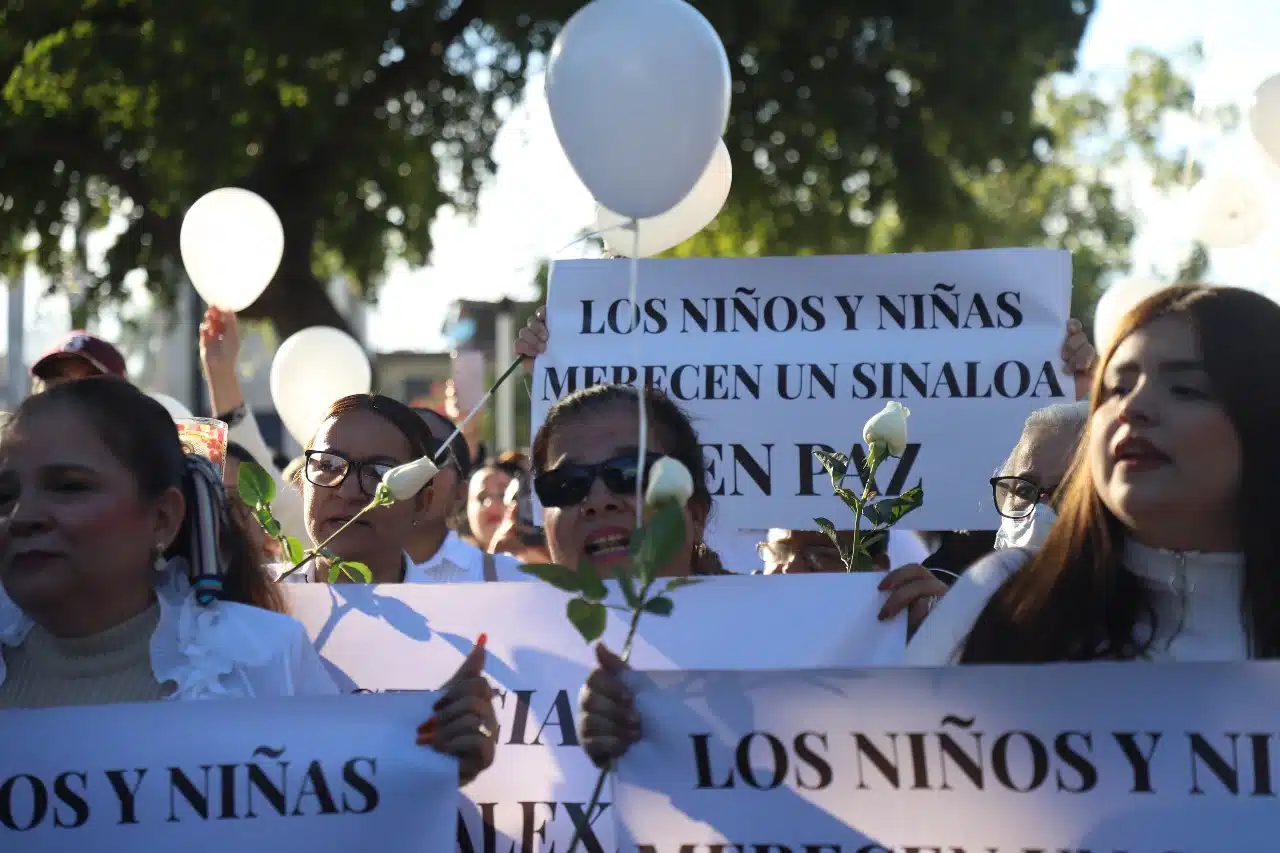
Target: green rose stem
316,551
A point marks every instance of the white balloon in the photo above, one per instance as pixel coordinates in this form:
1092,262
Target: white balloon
313,369
694,212
639,96
1232,211
1116,301
176,410
1264,117
232,242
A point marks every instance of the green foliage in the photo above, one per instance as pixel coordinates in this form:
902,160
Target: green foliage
934,151
589,617
852,130
257,489
855,553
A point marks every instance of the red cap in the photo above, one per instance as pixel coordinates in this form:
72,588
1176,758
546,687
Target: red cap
85,347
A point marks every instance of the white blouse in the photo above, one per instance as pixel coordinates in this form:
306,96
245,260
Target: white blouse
223,650
1197,600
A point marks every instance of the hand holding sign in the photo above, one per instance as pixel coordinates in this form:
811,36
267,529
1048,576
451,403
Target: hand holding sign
465,725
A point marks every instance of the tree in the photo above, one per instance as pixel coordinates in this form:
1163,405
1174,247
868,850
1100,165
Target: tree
1091,132
359,121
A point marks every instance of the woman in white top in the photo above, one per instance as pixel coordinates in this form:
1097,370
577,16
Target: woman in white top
124,578
1166,546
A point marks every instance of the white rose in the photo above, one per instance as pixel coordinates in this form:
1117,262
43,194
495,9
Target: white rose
888,427
669,480
404,481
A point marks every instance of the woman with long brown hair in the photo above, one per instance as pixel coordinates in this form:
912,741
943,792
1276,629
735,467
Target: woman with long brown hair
1166,546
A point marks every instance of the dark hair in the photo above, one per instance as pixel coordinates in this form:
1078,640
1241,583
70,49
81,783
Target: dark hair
143,437
675,431
441,427
238,452
1073,600
514,463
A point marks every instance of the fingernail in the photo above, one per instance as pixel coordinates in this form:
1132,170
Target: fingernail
482,639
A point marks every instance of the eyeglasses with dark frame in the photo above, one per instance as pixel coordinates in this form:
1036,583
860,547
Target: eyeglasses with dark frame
1016,497
329,470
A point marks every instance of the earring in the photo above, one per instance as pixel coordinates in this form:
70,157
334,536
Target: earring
160,563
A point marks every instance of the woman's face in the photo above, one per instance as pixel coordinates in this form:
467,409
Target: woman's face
599,527
367,445
1043,457
73,527
1164,456
484,503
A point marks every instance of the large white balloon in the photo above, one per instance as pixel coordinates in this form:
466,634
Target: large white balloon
176,410
311,370
1116,301
232,242
639,96
1232,211
694,212
1264,117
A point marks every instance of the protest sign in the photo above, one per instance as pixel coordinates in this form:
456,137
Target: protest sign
1104,757
776,357
413,637
325,775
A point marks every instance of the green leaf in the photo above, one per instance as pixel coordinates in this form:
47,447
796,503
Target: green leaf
255,485
623,574
295,553
660,606
335,571
680,583
561,577
589,617
851,498
890,510
825,525
358,572
656,545
272,527
592,587
871,512
835,464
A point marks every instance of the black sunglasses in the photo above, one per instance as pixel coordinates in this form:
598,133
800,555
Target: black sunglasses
1015,497
330,470
570,484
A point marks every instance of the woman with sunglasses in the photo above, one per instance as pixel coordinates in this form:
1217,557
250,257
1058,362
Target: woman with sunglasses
586,462
362,437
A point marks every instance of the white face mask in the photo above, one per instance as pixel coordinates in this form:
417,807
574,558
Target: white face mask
1029,532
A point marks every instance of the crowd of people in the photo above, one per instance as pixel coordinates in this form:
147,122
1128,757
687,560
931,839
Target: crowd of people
1134,524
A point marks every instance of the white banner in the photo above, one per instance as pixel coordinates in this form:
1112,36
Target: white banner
324,775
1132,757
413,636
775,357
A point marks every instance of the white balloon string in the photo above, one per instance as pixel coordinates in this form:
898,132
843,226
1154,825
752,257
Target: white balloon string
640,383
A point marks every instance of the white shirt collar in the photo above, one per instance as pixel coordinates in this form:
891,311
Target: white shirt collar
194,646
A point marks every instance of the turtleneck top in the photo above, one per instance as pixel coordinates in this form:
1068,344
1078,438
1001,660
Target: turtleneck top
1196,598
115,666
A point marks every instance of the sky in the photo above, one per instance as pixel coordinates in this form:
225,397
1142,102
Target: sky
536,206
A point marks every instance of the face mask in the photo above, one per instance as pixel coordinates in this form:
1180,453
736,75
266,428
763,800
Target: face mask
1029,532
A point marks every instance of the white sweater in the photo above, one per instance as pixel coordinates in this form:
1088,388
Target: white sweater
1196,597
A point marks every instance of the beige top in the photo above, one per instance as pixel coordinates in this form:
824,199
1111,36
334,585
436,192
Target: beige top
45,671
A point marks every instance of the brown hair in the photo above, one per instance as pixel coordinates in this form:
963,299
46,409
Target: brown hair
1073,600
